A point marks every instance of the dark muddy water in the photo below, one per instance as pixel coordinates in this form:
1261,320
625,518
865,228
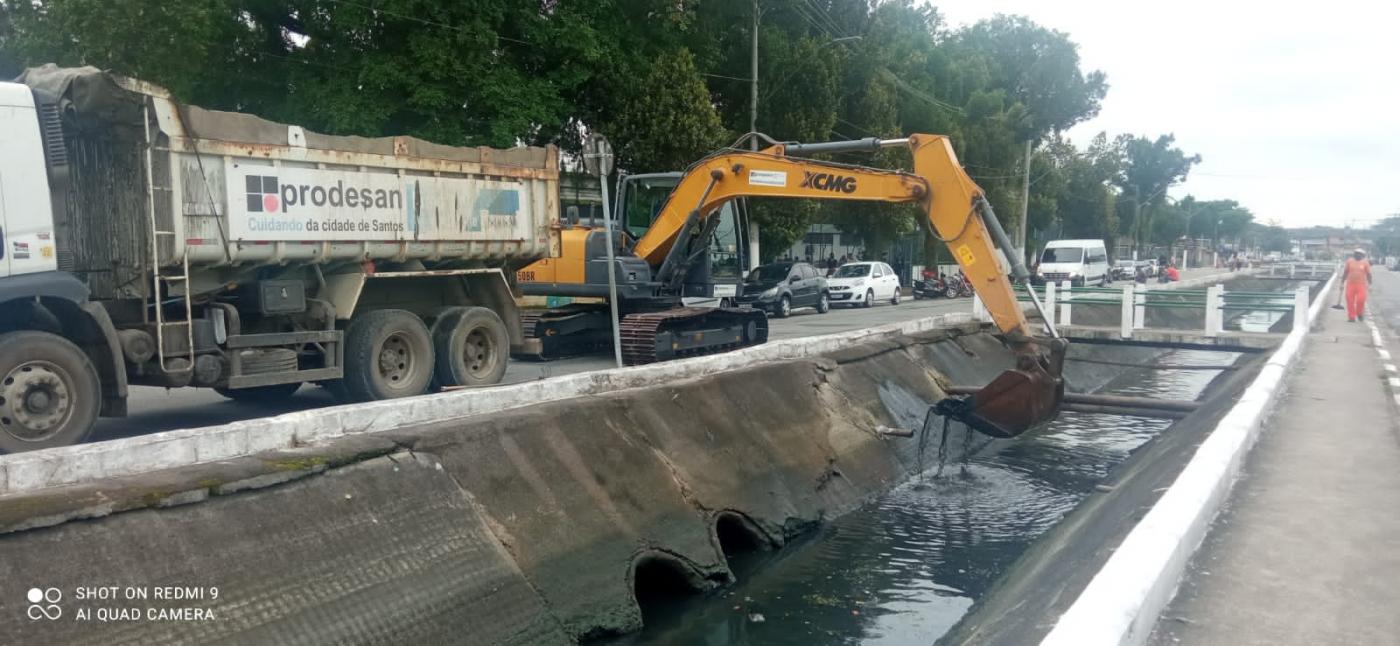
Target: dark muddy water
906,567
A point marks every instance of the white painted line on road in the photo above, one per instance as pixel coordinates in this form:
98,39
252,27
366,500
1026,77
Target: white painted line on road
1393,380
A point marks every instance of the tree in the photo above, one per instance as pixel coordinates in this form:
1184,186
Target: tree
1215,219
1072,191
1039,69
1385,235
1274,238
684,111
1152,167
667,81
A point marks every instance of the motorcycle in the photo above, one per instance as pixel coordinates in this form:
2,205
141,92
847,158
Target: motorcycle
960,287
930,287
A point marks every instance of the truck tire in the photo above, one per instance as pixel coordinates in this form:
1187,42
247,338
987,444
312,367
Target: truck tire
49,392
471,346
260,394
388,354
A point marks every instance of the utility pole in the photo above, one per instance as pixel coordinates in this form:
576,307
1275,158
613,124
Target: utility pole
753,128
1025,206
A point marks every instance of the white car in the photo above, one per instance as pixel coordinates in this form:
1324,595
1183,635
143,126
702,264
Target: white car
863,283
1082,262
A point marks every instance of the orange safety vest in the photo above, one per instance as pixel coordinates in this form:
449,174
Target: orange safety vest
1358,270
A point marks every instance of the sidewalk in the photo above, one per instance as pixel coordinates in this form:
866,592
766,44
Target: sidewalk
1307,550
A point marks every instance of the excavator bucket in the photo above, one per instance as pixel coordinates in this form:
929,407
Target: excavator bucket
1018,400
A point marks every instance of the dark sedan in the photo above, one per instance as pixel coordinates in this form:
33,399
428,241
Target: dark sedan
781,287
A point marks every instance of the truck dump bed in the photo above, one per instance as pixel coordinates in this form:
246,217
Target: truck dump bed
230,189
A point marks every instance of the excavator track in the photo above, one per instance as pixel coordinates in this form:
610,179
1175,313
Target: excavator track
648,337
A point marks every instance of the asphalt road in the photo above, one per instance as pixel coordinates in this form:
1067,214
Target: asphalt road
1383,301
158,409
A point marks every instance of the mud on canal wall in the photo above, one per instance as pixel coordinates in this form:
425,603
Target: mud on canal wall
525,526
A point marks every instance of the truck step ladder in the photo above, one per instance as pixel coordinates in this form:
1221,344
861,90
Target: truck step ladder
159,276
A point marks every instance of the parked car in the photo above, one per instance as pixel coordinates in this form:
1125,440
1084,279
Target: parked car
1124,269
781,287
1082,262
864,283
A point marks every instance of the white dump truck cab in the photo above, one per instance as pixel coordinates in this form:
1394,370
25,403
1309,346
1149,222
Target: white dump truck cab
60,366
26,213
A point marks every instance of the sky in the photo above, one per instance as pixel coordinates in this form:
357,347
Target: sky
1294,108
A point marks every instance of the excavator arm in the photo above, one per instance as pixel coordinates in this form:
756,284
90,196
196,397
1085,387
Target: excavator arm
958,214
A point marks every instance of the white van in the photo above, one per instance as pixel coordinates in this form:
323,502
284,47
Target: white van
1082,262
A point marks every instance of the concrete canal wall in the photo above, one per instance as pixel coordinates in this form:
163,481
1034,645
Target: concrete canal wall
520,525
1102,575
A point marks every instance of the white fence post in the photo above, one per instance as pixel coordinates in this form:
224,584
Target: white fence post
1300,307
1128,305
1049,302
1064,302
1213,314
979,311
1139,306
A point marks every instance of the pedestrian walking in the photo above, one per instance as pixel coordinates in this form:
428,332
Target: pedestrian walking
1356,280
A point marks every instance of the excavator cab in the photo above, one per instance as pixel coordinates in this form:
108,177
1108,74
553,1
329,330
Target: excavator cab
716,276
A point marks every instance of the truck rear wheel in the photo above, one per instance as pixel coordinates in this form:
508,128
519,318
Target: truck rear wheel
471,346
49,392
388,354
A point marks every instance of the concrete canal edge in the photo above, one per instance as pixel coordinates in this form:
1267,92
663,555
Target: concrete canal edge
1123,600
170,449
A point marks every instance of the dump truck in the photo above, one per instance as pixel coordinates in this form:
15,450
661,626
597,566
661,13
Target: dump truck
148,242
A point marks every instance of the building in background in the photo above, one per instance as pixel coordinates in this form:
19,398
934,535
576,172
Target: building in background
823,241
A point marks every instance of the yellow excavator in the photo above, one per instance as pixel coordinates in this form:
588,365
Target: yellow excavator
672,258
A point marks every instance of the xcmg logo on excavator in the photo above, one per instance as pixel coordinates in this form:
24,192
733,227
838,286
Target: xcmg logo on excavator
828,182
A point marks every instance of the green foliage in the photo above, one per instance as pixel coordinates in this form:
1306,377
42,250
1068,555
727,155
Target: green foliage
1215,219
1385,235
684,112
1152,166
1273,238
1037,68
665,80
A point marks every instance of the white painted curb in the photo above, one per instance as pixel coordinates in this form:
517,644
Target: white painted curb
1122,602
87,462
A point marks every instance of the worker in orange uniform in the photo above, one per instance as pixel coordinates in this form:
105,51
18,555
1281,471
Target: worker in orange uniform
1356,279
